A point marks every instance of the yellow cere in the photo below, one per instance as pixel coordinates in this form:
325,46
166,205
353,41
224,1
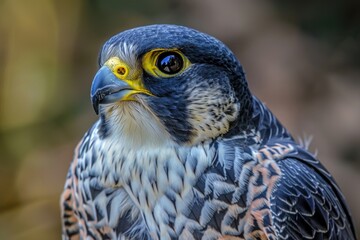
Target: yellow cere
149,61
131,76
118,67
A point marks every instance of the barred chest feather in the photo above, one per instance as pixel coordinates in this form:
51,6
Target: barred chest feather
121,184
172,192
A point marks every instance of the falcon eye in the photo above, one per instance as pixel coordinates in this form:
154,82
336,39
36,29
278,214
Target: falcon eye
170,62
164,62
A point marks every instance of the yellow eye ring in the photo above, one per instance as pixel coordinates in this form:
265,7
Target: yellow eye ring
165,62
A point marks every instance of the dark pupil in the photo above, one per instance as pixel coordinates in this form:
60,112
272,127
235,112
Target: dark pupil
170,62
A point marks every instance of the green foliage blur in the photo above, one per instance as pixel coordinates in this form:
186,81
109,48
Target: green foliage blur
48,57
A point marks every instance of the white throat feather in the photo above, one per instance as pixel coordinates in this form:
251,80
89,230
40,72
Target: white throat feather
133,125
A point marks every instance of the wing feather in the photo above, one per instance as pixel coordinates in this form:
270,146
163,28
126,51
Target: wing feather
306,206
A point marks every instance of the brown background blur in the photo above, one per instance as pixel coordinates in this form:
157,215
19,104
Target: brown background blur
302,59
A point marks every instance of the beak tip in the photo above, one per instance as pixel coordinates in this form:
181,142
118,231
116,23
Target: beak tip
95,104
96,109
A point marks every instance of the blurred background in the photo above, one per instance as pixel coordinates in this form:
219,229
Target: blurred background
301,58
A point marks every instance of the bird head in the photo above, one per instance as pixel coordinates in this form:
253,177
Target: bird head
168,81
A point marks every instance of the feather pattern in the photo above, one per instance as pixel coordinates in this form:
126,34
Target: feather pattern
258,185
200,158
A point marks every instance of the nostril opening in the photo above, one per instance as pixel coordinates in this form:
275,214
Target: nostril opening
121,70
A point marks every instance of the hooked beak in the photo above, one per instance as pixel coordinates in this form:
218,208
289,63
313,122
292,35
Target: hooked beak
109,87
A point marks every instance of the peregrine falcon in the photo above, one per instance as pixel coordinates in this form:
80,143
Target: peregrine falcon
183,150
